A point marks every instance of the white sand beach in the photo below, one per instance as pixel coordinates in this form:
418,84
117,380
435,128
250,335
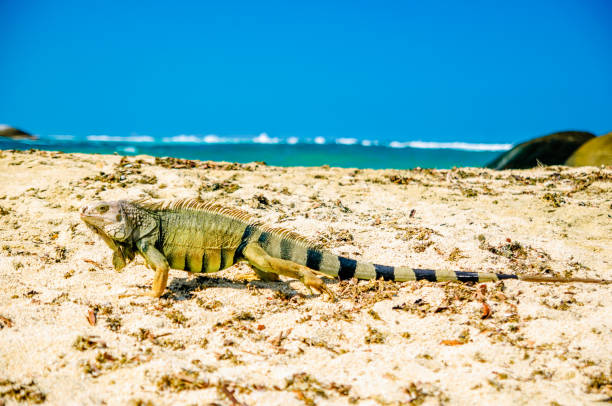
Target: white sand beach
75,331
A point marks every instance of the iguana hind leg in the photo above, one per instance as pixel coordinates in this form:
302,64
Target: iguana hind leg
257,275
267,264
267,276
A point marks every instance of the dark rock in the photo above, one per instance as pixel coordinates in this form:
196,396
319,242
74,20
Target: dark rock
553,149
15,133
595,152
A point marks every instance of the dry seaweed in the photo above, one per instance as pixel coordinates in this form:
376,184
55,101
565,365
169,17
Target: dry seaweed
24,392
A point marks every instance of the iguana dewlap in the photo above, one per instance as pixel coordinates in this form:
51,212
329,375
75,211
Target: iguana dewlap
199,236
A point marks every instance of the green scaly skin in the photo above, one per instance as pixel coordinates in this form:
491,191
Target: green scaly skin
198,236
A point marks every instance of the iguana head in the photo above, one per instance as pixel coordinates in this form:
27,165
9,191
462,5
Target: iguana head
107,218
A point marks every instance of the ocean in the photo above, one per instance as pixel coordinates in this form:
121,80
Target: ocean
291,151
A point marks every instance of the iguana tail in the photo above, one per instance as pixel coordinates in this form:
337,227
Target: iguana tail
346,268
282,243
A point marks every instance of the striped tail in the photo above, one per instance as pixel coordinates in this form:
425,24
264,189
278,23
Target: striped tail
284,244
346,268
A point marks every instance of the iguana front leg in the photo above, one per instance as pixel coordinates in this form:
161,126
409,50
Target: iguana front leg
159,263
260,259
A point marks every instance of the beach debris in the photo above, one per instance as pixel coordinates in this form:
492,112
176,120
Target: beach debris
223,387
94,263
141,402
177,317
105,361
600,383
5,322
306,387
175,163
464,337
184,380
401,180
374,336
91,317
451,342
146,334
261,201
486,310
374,314
90,342
555,199
24,392
113,323
225,186
333,238
455,255
469,192
342,207
415,232
228,355
279,339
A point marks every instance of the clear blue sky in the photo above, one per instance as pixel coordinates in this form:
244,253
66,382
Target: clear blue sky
478,71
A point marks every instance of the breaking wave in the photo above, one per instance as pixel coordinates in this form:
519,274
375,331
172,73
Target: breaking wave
466,146
131,138
264,138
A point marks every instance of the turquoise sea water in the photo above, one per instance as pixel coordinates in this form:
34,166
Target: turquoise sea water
347,153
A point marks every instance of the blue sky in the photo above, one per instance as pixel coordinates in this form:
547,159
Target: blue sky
435,71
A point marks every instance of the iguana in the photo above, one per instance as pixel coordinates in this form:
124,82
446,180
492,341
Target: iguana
199,236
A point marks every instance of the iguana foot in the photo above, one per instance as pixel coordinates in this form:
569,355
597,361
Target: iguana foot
311,281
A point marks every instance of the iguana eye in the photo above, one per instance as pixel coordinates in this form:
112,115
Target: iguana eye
103,209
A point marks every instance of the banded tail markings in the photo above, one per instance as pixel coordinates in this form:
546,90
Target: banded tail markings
347,268
385,272
299,254
271,244
426,274
365,270
264,239
404,273
286,250
330,264
248,232
313,259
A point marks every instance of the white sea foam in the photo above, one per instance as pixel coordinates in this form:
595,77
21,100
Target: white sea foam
183,138
466,146
347,141
109,138
62,137
129,150
212,139
264,138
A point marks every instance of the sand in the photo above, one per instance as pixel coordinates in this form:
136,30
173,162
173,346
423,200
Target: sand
75,331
